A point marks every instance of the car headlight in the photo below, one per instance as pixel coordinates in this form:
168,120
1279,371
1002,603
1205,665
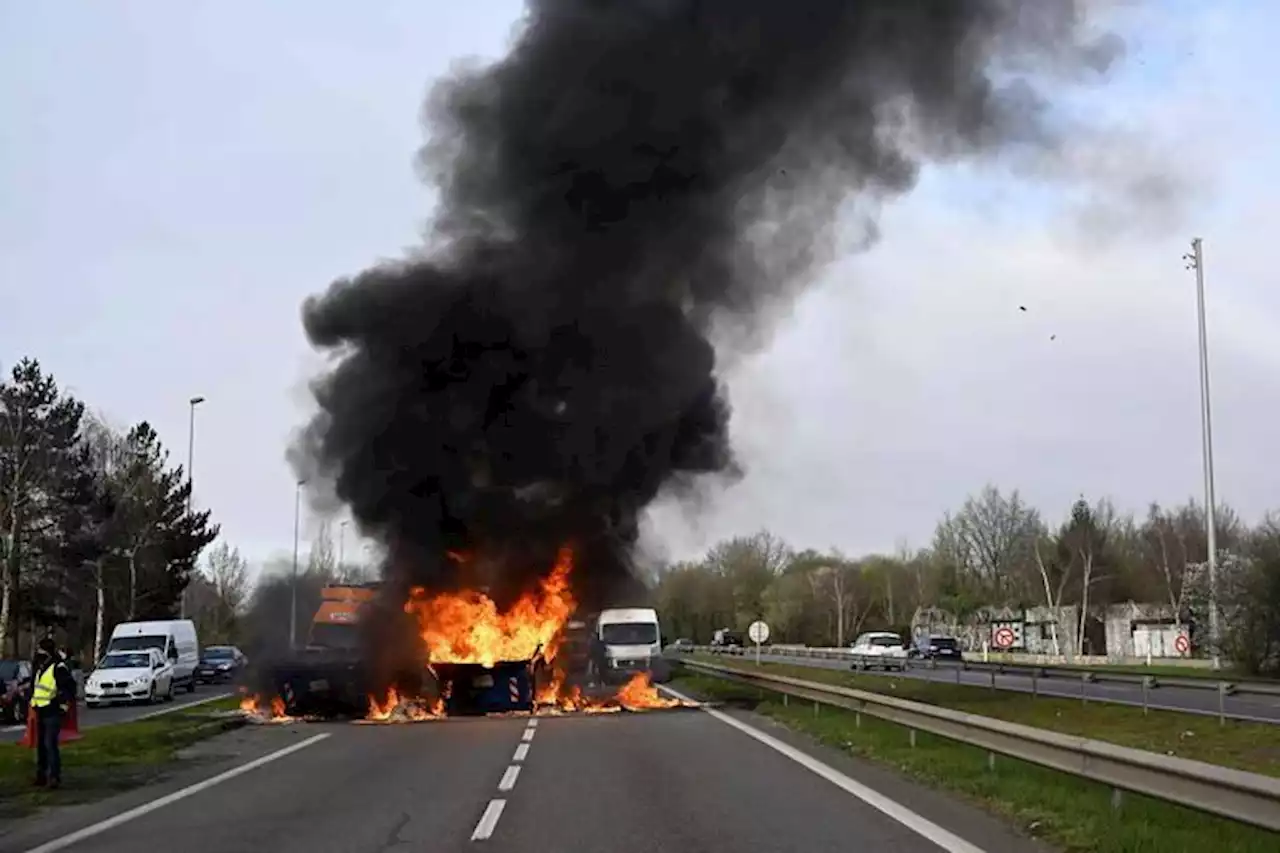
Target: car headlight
141,679
224,665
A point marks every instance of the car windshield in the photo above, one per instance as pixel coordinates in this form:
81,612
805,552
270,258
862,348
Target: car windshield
884,642
943,642
126,660
629,634
8,670
131,644
219,653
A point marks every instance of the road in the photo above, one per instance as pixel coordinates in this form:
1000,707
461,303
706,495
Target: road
683,781
126,713
1263,709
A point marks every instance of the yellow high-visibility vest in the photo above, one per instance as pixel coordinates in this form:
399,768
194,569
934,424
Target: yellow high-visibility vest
46,688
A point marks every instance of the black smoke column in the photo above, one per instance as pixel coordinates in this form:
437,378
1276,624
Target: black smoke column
633,176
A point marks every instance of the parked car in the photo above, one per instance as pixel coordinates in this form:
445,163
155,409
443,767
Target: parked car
879,648
15,686
141,675
937,648
220,663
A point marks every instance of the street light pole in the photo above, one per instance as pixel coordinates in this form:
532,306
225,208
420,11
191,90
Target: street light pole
191,456
1195,261
342,545
293,588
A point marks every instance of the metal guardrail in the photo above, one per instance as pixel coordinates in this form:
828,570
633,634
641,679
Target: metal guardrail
1234,794
1091,674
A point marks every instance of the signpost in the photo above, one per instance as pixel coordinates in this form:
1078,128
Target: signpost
1004,638
758,632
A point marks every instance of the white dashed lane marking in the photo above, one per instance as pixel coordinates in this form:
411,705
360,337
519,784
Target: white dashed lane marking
493,811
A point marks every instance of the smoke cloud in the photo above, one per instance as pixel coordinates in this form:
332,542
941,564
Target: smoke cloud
631,177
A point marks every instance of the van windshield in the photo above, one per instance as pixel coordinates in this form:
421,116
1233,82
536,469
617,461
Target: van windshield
629,634
130,644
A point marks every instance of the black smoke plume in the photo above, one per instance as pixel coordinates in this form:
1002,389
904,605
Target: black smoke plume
633,177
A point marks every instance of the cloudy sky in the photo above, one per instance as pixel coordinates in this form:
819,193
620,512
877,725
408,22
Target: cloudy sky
175,178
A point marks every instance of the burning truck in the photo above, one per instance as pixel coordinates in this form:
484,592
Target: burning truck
469,657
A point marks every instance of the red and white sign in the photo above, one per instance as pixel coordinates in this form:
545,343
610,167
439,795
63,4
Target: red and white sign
1182,644
1003,638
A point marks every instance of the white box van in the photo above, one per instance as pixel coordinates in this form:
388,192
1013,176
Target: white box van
628,640
176,640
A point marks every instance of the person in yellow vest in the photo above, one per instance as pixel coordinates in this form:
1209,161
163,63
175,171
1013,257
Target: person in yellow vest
53,689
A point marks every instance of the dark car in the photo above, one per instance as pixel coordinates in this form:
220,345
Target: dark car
938,648
15,688
220,663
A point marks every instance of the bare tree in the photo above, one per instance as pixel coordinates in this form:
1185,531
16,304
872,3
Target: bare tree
990,542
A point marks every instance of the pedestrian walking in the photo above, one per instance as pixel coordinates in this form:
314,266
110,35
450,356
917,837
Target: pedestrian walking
53,690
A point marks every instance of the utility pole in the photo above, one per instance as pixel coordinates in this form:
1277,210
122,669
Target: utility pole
342,547
1195,261
293,588
191,458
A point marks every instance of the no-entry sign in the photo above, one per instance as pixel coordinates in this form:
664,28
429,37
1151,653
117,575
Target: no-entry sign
1004,638
1182,644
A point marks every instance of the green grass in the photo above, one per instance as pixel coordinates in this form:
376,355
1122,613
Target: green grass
1248,746
108,759
1071,813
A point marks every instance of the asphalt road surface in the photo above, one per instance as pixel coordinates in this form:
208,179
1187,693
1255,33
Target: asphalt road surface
90,717
683,781
1264,709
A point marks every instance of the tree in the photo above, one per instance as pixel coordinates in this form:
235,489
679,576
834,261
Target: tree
39,430
226,576
158,539
988,546
749,564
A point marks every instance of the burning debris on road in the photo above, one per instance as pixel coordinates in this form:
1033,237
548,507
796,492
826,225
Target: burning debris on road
637,695
635,190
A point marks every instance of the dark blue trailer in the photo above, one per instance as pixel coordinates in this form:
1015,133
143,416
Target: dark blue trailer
472,689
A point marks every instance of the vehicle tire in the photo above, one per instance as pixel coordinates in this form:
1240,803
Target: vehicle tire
168,694
152,695
191,685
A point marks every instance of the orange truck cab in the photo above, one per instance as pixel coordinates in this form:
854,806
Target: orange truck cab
334,625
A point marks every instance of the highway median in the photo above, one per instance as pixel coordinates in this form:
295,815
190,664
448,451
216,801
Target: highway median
1254,747
1074,813
111,758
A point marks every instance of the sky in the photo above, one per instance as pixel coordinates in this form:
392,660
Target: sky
176,178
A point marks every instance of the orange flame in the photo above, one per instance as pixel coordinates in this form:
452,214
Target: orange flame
274,710
394,707
639,694
466,627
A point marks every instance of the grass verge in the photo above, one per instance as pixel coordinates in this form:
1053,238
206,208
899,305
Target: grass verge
111,758
1247,746
1071,813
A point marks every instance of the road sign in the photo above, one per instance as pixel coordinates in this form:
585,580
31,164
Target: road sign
1182,644
1003,638
758,632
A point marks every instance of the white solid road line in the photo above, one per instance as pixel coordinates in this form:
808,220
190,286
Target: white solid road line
488,820
169,710
146,808
922,826
509,778
527,735
522,752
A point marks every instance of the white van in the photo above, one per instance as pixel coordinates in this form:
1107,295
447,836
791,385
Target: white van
628,641
176,640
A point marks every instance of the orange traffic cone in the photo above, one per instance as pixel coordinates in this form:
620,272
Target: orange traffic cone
29,736
71,725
